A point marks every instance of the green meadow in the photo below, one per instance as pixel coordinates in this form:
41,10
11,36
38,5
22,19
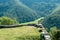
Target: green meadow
20,33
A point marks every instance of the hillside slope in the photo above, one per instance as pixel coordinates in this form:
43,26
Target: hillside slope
15,9
53,19
42,7
20,33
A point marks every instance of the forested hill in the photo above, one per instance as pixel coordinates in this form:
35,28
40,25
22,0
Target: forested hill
42,7
27,10
15,9
53,19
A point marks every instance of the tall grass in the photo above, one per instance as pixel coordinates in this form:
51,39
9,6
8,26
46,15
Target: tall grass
20,33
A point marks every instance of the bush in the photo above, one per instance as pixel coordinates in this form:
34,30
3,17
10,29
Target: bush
55,34
7,21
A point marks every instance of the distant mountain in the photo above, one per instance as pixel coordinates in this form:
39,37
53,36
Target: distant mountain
42,7
53,19
16,9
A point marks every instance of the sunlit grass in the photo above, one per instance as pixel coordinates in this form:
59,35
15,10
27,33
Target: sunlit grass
34,22
19,33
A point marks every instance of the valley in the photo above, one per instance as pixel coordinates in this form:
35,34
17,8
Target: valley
29,19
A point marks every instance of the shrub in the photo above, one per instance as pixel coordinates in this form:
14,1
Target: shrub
7,21
55,34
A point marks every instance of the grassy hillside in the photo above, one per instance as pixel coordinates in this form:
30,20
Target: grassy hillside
16,9
20,33
53,19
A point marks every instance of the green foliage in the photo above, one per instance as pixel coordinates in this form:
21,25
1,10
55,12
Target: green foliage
55,34
53,19
7,21
58,35
16,9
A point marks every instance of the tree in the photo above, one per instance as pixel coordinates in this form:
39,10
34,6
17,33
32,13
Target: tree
7,21
58,35
55,34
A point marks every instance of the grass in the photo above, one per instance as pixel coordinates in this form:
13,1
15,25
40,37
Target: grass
34,22
20,33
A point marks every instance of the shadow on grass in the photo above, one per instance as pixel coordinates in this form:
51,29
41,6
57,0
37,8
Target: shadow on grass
14,26
7,26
